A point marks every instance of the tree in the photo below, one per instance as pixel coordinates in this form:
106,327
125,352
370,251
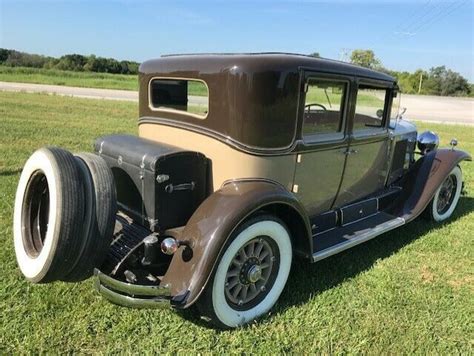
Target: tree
365,58
21,59
4,53
73,62
314,54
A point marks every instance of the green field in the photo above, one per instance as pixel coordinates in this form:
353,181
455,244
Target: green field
68,78
80,79
409,291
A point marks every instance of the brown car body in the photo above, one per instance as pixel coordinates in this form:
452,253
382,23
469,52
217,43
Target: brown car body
241,163
261,161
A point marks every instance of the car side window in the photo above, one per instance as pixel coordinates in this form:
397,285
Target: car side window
324,107
370,106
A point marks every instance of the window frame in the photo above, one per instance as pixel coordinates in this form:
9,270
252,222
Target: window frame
315,138
387,105
176,111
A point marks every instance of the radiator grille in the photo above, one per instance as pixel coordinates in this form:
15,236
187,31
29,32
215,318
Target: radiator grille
398,159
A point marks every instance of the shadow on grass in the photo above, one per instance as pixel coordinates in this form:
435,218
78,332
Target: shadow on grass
309,279
9,172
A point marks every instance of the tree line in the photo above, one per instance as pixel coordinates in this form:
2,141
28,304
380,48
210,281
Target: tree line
435,81
74,62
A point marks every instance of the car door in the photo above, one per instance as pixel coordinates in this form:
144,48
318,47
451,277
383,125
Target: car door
367,162
323,141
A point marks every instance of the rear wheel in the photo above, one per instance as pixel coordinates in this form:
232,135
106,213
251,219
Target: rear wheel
250,275
446,197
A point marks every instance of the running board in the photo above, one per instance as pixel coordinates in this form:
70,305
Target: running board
342,238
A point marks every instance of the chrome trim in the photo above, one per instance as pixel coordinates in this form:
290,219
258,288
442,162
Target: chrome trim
132,289
131,302
129,295
254,179
368,235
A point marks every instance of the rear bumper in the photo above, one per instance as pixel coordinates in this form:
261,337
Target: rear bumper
131,295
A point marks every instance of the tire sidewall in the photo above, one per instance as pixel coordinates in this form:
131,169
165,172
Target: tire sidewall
279,234
434,211
35,268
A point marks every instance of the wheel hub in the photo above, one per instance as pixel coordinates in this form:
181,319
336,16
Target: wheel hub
254,273
251,272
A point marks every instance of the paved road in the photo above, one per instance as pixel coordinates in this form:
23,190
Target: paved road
423,108
439,109
90,93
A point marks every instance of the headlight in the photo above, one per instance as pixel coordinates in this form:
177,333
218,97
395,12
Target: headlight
427,141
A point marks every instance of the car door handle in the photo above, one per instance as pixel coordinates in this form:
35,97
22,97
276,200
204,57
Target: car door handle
170,188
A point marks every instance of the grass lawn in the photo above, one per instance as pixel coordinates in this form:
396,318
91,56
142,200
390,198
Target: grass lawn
68,78
81,79
411,290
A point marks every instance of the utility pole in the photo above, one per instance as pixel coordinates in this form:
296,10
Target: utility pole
421,81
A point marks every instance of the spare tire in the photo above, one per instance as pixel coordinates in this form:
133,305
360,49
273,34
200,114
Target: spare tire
99,215
48,215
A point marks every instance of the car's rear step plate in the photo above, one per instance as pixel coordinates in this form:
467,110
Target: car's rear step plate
341,238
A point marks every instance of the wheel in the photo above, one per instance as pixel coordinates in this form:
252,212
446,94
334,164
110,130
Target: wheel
48,215
250,274
446,197
99,218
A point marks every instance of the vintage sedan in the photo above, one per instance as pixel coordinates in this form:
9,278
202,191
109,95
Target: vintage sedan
242,162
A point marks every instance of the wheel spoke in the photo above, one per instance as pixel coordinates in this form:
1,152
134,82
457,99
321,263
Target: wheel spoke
237,290
233,283
251,248
253,289
233,272
264,255
244,292
236,262
258,250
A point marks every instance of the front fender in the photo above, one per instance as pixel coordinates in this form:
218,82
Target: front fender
424,178
209,228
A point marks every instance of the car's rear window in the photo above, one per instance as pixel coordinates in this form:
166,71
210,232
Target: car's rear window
190,97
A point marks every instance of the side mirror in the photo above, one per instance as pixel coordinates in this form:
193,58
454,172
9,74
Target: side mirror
379,113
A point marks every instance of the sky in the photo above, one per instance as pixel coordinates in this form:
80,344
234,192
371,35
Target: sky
404,34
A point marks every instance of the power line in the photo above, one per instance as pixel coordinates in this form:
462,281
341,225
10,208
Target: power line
418,22
401,24
446,13
414,17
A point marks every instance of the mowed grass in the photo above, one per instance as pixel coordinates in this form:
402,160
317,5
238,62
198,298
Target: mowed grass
409,291
81,79
68,78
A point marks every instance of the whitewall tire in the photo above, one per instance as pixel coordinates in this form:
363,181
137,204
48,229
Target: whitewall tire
48,215
250,274
446,197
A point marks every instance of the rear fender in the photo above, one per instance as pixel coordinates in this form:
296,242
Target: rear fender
210,227
424,178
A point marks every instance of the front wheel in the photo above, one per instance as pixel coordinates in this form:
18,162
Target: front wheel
446,197
250,275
